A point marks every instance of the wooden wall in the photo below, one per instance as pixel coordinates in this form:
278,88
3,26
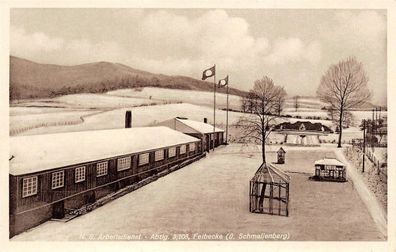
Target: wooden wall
46,195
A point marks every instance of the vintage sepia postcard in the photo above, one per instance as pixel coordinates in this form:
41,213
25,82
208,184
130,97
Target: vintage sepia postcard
261,125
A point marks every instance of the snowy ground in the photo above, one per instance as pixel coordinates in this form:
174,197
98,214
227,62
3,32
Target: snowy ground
21,123
177,95
90,101
377,183
360,115
149,105
211,196
381,154
141,116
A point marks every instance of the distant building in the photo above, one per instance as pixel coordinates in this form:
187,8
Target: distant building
52,174
302,132
201,130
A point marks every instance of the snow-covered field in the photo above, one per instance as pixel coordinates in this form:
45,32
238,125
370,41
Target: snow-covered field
91,101
21,123
177,95
211,196
347,135
360,115
15,111
105,111
306,113
142,116
146,116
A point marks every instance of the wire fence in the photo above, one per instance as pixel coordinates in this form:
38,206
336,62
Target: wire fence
379,164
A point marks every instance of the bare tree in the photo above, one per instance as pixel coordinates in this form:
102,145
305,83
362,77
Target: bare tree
344,86
347,120
264,98
280,101
295,98
244,104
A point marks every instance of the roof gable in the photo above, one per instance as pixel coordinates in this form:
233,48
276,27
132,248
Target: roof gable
200,127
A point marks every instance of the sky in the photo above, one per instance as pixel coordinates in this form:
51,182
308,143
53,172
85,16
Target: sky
293,47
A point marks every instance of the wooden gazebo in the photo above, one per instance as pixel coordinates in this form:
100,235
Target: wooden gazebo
269,191
329,169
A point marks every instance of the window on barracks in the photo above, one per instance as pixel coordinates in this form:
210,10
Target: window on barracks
29,187
79,174
159,155
101,169
182,149
172,152
144,158
192,147
123,163
58,179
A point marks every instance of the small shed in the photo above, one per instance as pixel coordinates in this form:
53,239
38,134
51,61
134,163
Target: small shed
329,169
281,155
269,191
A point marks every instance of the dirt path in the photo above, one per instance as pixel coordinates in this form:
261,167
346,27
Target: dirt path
374,207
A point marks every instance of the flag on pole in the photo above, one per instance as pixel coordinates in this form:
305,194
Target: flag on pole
223,82
209,72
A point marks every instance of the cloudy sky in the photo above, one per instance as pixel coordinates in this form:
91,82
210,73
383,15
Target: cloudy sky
294,47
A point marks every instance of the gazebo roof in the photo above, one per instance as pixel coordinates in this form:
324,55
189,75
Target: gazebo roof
329,161
268,173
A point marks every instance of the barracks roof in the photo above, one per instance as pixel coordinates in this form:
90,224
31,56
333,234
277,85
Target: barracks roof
199,126
36,153
189,126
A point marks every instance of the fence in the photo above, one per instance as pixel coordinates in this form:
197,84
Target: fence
18,131
370,155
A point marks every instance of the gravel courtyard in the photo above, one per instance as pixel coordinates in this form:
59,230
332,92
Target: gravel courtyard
210,197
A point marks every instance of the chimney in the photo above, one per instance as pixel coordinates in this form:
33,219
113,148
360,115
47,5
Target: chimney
205,120
128,119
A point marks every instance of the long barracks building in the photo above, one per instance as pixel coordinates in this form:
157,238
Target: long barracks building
52,174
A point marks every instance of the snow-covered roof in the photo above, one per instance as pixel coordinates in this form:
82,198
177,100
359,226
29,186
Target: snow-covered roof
329,161
42,152
201,127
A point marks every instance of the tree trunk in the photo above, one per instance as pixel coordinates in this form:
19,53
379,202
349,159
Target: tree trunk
263,140
262,197
263,150
340,128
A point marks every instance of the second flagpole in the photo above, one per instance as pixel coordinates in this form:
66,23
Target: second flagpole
214,108
227,114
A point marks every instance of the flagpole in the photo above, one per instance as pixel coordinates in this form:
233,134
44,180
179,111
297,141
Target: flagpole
227,116
214,108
